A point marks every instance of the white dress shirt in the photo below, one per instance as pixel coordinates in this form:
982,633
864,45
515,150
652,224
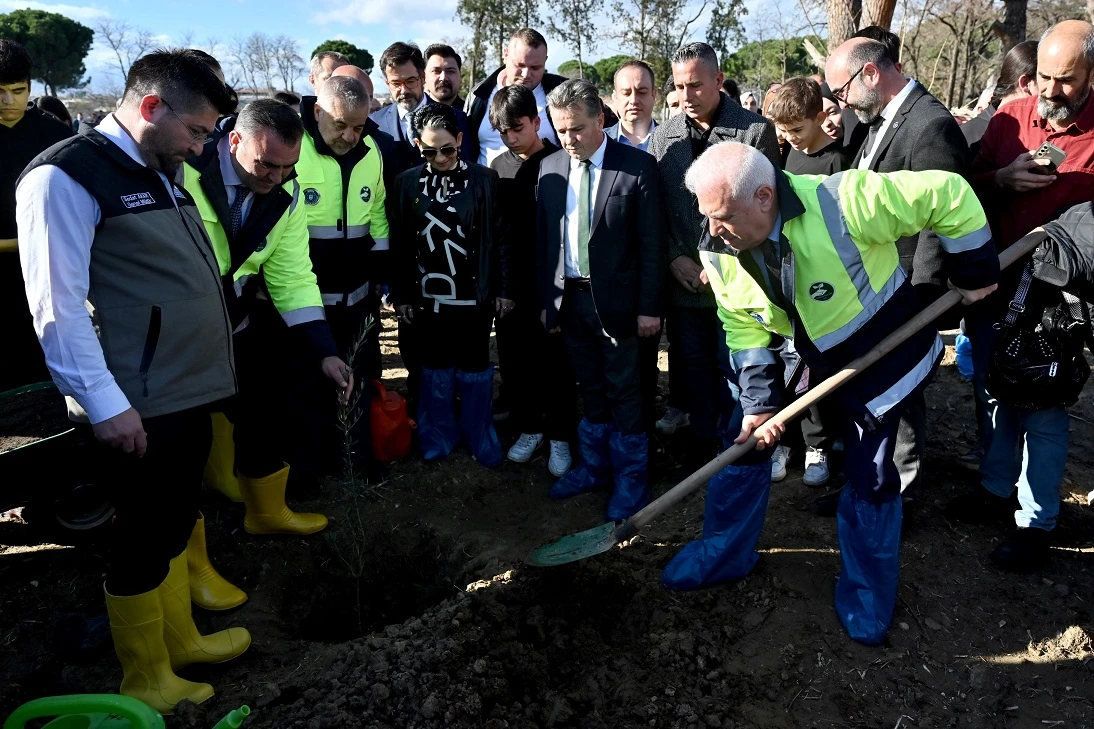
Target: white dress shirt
231,178
596,167
490,144
887,114
56,217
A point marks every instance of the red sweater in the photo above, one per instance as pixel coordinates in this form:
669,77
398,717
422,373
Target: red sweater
1017,128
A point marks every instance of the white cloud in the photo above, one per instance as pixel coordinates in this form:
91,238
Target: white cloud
82,13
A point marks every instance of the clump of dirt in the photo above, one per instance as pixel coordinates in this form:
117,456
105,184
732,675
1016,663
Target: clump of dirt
30,417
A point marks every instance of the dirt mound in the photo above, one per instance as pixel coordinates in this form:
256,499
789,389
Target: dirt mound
30,417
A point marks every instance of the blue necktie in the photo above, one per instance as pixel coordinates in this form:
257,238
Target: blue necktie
236,211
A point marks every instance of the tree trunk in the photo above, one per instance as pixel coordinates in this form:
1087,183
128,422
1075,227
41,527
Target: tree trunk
878,12
842,22
1012,29
1090,9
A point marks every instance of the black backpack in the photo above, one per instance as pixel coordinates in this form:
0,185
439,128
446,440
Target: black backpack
1037,360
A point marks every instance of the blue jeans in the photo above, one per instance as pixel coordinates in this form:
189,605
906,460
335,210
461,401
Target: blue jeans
1036,466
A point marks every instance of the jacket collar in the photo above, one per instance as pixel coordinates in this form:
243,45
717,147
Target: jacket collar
790,207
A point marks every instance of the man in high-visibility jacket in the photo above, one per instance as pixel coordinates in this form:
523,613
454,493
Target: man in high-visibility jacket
341,178
252,207
809,264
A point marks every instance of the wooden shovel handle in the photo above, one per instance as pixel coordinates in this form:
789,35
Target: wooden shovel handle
659,506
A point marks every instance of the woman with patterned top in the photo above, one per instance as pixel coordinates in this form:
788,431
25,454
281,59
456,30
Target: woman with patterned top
451,279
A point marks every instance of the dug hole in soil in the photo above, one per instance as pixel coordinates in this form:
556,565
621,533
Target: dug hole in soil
415,609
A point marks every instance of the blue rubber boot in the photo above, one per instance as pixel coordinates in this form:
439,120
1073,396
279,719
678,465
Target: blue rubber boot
437,430
869,542
734,517
595,469
477,415
630,461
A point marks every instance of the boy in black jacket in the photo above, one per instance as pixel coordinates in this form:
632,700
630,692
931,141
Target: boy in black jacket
798,113
534,364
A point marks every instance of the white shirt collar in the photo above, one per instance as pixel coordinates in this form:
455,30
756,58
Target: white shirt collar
112,129
893,106
227,169
597,157
403,112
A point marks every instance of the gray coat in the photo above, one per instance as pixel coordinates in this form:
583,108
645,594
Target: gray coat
671,146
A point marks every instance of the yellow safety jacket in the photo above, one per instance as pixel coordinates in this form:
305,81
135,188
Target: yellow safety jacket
344,199
830,278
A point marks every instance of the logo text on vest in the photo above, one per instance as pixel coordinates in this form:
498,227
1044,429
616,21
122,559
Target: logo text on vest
366,194
138,199
311,196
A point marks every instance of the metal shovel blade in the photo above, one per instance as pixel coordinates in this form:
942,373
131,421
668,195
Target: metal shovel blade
575,547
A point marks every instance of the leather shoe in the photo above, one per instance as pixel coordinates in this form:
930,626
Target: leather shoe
826,505
1023,551
979,506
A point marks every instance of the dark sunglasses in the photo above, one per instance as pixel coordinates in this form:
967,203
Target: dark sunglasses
842,90
431,154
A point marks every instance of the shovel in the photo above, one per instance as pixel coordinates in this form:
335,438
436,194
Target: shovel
600,539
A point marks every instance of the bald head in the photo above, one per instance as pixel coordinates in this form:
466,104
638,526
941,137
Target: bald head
1065,71
734,185
863,78
357,73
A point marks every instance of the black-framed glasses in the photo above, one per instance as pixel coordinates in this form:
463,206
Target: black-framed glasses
203,137
841,92
446,151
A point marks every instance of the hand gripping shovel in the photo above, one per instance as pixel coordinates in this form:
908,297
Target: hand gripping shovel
602,538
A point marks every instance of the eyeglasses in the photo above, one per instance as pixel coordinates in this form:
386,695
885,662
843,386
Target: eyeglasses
407,83
202,137
445,151
841,92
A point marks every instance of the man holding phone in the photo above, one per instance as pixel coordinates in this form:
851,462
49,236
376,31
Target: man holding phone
1037,155
1036,159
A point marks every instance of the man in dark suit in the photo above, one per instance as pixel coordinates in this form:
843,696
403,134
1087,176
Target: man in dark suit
600,261
908,130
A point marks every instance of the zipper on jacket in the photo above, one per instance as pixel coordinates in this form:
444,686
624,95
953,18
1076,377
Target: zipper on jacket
151,341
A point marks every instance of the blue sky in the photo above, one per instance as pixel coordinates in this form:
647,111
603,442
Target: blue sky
371,24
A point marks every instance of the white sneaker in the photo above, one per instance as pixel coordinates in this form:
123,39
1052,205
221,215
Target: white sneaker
527,444
816,468
778,463
673,420
560,461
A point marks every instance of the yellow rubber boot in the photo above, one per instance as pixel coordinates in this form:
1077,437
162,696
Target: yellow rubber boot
207,588
185,645
220,472
136,624
266,509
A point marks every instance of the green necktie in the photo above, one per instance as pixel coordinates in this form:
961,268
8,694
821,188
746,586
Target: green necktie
583,216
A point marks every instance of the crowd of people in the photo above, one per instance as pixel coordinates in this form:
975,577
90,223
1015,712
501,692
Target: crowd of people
200,278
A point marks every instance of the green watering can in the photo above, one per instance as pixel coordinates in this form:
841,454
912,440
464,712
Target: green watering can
102,711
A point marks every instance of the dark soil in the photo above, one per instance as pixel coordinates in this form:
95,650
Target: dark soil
415,609
30,417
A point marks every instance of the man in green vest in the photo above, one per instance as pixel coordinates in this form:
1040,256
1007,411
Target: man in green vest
253,211
341,178
806,271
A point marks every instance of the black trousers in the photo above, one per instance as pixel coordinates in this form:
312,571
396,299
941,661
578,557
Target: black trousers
535,367
648,348
607,369
21,358
314,445
156,498
454,336
701,341
819,426
258,409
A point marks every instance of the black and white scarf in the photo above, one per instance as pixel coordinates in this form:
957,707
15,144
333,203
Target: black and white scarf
445,257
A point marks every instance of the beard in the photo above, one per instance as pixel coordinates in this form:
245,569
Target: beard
443,91
408,100
1059,108
868,106
161,152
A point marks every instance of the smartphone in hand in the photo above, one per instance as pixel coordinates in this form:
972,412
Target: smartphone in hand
1053,154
